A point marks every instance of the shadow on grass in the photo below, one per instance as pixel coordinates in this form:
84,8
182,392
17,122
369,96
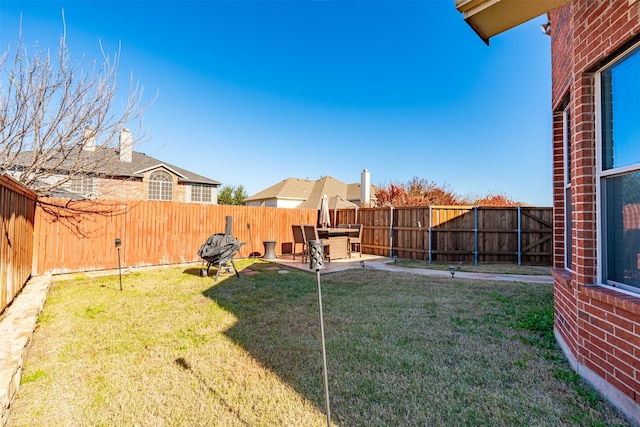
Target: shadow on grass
225,271
194,271
403,349
277,323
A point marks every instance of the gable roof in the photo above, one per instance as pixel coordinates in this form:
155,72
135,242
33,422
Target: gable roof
310,192
109,164
325,185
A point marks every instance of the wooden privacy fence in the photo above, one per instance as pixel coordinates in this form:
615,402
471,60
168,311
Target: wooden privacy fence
80,236
470,234
17,205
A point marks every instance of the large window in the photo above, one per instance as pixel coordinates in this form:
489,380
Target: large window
160,186
81,185
619,171
201,193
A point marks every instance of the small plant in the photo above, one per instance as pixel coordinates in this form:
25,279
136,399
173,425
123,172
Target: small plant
91,312
520,363
28,378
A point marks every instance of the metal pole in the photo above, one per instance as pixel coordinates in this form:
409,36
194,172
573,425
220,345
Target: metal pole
316,262
119,268
430,226
519,237
252,255
391,234
475,235
118,243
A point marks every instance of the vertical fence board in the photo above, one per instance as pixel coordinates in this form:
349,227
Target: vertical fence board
17,212
152,233
156,233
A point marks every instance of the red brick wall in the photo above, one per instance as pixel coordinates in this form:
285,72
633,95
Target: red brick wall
599,326
120,189
135,188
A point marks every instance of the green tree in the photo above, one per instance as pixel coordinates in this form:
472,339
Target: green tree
239,195
232,195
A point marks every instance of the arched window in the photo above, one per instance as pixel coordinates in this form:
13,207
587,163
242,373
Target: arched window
160,186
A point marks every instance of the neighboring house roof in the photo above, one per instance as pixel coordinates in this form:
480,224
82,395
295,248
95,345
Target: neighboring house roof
329,186
310,192
290,188
111,165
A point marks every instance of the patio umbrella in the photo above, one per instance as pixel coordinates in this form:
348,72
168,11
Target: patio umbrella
324,218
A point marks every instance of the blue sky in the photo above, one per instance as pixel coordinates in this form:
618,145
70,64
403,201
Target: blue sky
254,92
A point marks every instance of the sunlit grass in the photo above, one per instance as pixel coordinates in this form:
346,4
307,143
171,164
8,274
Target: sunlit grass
173,348
498,268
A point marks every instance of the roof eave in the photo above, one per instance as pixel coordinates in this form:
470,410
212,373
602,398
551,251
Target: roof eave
491,17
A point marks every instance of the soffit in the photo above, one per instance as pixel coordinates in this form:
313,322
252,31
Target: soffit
491,17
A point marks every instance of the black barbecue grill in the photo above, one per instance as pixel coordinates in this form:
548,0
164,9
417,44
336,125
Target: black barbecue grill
219,250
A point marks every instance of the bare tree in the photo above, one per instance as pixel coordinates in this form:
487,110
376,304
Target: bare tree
61,118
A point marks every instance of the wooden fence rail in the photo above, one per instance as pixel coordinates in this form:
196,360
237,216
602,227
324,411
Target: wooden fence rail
80,236
470,234
17,207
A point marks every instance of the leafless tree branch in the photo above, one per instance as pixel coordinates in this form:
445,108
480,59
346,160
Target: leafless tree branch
61,118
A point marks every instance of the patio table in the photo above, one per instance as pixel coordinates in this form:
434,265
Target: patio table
339,238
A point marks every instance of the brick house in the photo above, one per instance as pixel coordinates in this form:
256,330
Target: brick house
595,47
124,174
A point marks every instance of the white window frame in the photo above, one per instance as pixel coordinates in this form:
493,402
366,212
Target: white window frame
203,189
162,186
81,184
601,176
568,207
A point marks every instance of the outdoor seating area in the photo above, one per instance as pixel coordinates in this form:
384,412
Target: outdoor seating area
354,235
338,242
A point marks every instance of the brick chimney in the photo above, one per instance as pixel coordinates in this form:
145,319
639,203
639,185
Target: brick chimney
365,189
88,139
126,146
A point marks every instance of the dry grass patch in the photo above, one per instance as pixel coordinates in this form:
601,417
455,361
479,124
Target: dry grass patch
175,349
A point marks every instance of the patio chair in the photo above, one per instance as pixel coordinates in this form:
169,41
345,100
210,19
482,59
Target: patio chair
355,239
311,233
299,239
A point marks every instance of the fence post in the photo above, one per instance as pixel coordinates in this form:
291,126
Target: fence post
519,236
475,235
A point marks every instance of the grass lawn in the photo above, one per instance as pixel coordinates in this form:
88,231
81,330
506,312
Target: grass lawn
175,349
504,268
